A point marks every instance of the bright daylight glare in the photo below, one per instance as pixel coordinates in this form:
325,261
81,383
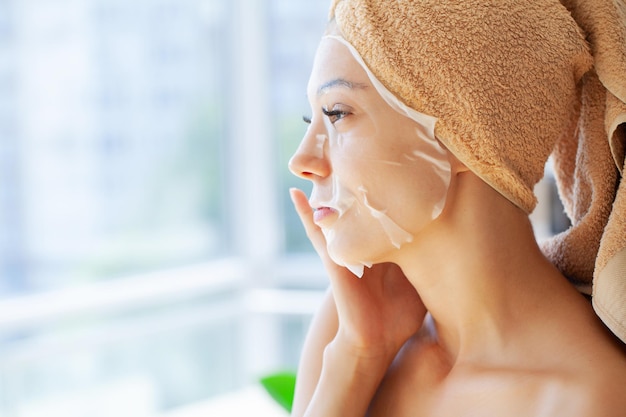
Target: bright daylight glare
147,243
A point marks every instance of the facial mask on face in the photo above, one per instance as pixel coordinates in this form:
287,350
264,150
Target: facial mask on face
427,150
396,234
321,140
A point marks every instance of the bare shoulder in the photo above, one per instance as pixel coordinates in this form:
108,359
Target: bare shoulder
586,381
589,381
576,391
601,384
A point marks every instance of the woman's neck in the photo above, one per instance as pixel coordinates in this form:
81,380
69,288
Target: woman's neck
481,275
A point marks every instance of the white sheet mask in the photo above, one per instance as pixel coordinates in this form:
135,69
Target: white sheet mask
396,234
427,150
342,200
319,147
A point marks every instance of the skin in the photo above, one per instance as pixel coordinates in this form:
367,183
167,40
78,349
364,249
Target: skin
356,137
468,319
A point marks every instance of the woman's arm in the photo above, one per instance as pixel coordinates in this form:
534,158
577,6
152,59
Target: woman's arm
322,331
356,334
333,375
347,383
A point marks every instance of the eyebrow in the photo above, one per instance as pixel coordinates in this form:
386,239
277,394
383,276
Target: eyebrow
338,82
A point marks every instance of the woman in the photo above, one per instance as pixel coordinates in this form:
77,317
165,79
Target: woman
430,124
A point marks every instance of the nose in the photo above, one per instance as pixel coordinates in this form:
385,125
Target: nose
309,161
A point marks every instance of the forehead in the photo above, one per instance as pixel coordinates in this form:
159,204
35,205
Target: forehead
334,66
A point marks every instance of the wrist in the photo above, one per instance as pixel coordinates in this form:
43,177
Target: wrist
347,383
366,364
364,351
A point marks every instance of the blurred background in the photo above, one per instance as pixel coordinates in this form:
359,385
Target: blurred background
150,261
149,257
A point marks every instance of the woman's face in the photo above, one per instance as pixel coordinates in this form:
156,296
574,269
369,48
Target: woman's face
378,178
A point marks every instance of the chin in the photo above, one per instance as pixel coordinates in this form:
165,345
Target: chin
356,252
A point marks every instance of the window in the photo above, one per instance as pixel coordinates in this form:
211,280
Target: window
116,147
146,232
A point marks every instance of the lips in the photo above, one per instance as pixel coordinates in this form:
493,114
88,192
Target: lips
322,213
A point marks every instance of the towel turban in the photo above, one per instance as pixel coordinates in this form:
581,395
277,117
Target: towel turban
512,82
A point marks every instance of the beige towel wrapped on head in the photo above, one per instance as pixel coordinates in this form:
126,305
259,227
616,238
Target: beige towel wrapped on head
511,82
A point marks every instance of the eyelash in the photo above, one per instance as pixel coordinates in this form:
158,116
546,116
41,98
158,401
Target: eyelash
336,114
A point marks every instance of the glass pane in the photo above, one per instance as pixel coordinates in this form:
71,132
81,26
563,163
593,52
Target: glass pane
136,364
113,130
110,125
296,28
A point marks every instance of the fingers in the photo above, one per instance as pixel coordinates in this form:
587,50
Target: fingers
301,204
305,212
314,233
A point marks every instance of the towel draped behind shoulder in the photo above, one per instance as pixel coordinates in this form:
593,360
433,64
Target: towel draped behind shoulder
512,82
594,196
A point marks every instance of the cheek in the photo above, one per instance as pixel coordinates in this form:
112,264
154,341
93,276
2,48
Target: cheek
387,202
395,233
430,175
404,176
407,188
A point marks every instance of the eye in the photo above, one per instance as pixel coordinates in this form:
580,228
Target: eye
306,119
335,114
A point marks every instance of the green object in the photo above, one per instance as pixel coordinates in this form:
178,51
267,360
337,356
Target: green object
281,387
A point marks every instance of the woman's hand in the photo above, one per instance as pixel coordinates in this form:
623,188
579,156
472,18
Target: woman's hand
378,312
360,328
